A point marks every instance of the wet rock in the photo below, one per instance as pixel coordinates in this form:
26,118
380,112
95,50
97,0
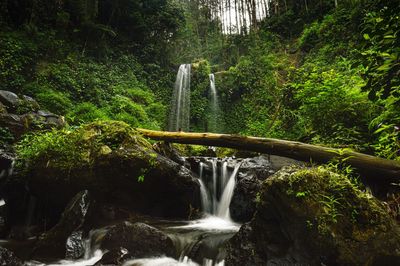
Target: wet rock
136,240
7,258
252,172
167,150
129,174
313,216
115,256
241,249
10,100
53,243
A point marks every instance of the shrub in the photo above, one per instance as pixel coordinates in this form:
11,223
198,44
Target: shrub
122,108
54,101
86,112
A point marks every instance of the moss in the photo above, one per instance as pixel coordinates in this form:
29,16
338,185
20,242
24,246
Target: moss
78,147
336,201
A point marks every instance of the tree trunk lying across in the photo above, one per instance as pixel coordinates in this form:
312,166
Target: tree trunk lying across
381,170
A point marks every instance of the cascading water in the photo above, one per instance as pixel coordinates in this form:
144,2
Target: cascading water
219,194
180,106
214,124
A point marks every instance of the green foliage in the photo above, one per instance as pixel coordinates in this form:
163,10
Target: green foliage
123,109
54,101
84,113
6,137
381,32
17,54
199,100
331,102
77,147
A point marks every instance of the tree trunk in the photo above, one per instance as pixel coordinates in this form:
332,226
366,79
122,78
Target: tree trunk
378,169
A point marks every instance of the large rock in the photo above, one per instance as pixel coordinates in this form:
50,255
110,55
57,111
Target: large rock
54,243
253,171
314,216
136,240
10,100
117,165
21,124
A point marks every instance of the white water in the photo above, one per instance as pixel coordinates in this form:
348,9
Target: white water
209,195
225,201
180,105
214,124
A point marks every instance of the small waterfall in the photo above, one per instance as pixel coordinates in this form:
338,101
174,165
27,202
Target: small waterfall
214,182
180,106
217,189
205,199
225,201
215,110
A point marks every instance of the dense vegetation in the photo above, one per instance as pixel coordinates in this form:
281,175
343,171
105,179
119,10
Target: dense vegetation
323,72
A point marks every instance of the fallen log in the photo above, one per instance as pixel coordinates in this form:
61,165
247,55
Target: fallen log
379,169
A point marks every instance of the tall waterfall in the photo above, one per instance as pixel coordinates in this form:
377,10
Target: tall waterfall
215,110
180,106
217,188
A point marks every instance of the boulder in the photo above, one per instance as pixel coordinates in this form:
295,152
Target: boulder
167,150
21,124
10,100
138,240
314,216
7,258
117,165
15,124
252,172
6,163
54,242
30,104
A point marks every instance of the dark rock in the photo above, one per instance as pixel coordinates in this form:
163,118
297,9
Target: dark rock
252,172
124,171
7,258
21,124
42,120
167,150
14,123
241,249
115,256
137,240
53,242
312,216
10,100
30,103
6,162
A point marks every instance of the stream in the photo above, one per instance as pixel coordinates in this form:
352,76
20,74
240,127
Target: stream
197,242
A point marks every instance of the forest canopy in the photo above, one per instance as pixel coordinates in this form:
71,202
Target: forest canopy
318,71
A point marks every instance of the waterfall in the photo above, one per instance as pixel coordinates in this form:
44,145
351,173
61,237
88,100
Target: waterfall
217,189
180,106
225,201
215,110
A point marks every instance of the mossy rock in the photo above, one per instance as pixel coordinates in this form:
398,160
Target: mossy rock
315,216
112,161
